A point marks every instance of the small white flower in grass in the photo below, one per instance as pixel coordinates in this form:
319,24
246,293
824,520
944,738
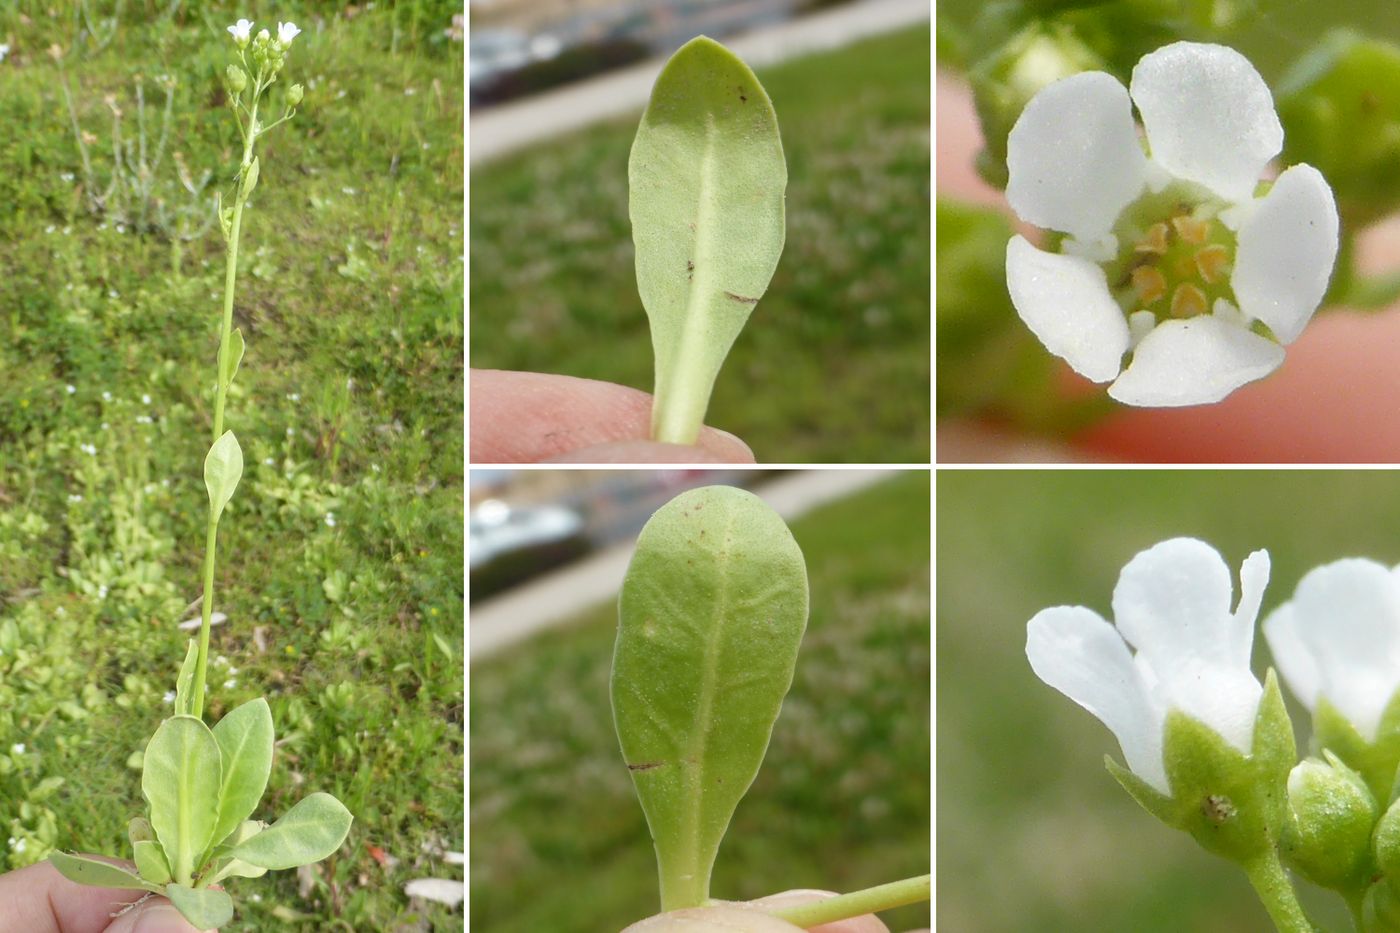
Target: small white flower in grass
1172,604
1168,254
169,697
20,845
241,31
330,519
106,396
17,748
1338,639
71,389
145,400
4,51
286,32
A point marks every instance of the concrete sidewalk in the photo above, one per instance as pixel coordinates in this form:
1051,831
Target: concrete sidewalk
524,612
504,129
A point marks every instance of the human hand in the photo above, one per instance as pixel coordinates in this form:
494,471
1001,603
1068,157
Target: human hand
751,917
37,899
531,417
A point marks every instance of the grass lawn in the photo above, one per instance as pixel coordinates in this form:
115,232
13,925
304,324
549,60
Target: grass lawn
559,842
1033,833
340,556
834,364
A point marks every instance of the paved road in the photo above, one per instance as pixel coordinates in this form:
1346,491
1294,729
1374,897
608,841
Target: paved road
526,611
504,129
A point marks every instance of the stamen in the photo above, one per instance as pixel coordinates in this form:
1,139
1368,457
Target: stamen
1150,284
1188,301
1155,241
1193,231
1212,261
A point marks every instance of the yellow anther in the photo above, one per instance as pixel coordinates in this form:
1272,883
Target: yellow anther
1188,301
1155,241
1211,262
1191,230
1149,283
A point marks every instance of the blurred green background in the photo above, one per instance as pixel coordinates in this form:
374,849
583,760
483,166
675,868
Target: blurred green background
340,556
1033,833
834,365
558,840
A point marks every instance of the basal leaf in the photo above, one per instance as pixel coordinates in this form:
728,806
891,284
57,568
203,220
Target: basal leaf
706,179
204,908
245,750
184,699
180,779
308,832
90,871
139,830
711,615
151,862
223,468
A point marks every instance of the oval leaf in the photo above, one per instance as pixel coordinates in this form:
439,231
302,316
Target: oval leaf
235,352
706,178
307,833
86,870
184,699
223,468
151,863
139,830
245,750
204,908
180,779
711,615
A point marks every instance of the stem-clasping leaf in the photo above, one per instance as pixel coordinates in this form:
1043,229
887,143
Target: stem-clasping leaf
706,178
223,468
712,611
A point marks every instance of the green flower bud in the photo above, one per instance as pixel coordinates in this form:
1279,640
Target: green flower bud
1005,81
1386,841
294,94
1328,836
237,79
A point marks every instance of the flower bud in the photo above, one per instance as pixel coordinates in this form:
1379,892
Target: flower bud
1328,836
294,95
237,79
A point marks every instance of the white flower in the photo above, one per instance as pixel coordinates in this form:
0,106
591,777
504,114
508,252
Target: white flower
1168,254
241,31
1172,604
286,32
330,519
1339,639
106,396
17,748
4,51
20,845
145,400
169,697
71,389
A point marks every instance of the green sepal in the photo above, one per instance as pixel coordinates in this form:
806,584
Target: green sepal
1380,910
1327,837
204,908
1376,761
1274,750
1151,799
184,700
99,874
151,862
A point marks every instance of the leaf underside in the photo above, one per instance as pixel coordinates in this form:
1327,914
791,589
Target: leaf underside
180,778
311,830
90,871
712,612
204,908
706,177
245,738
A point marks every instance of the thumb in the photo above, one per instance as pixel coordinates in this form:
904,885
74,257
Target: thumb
153,915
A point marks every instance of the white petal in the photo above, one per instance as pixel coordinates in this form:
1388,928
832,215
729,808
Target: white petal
1348,618
1074,157
1292,658
1254,577
1224,698
1079,654
1065,302
1172,603
1194,362
1287,248
1209,116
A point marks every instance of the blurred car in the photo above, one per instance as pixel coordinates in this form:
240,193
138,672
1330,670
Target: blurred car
508,545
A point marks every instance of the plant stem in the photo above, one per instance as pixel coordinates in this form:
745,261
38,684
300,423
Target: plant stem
1271,883
868,901
220,396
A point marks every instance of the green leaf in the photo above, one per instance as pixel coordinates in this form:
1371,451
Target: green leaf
711,615
706,177
307,833
227,867
235,350
204,908
90,871
184,701
139,830
223,468
180,780
245,749
250,181
151,862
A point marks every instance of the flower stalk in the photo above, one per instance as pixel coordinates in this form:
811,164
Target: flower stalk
858,903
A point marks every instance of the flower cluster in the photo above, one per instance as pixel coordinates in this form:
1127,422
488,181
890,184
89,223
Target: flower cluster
1169,248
